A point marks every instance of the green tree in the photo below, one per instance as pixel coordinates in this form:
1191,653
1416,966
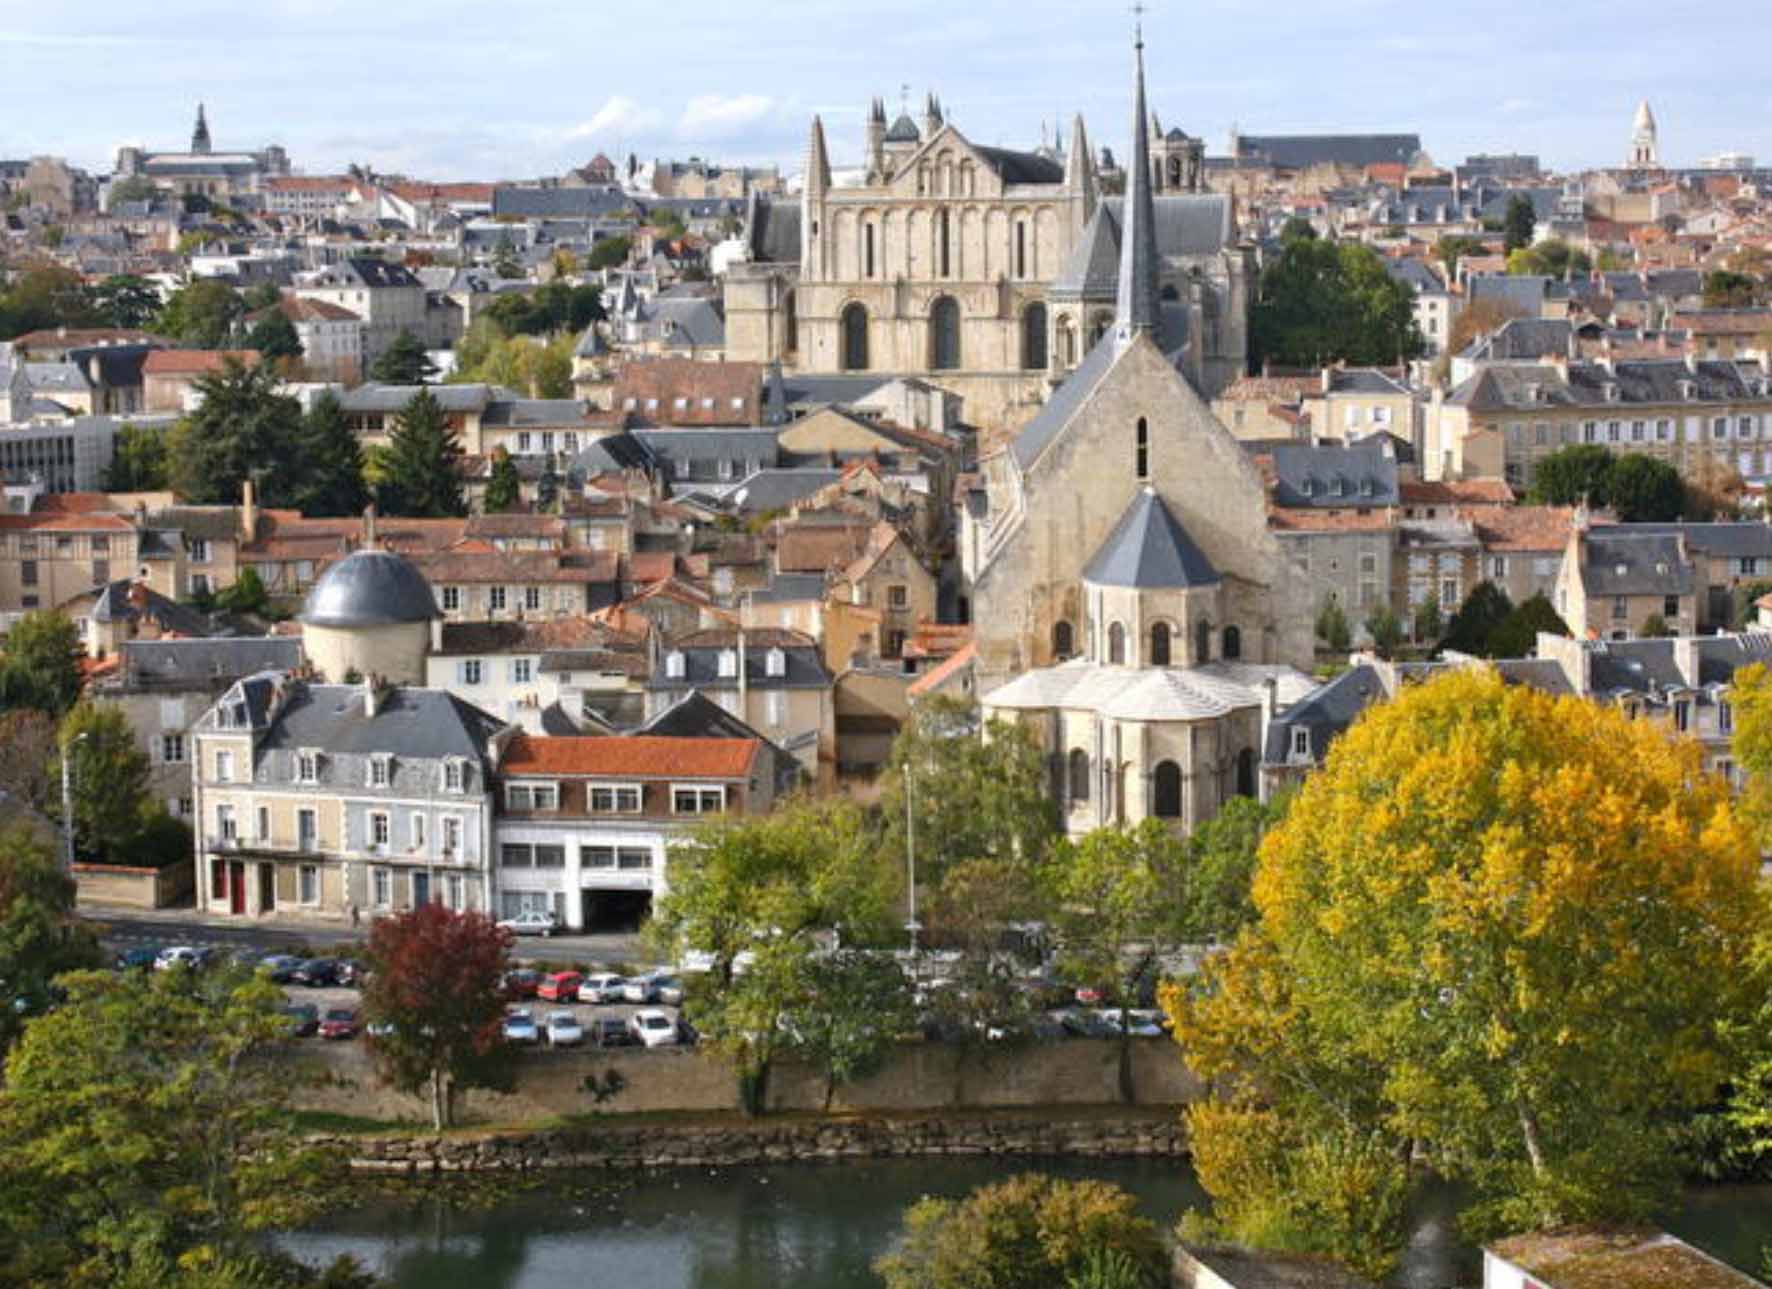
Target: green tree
1498,928
29,754
1517,635
1216,902
1386,630
332,462
504,488
547,488
1520,223
132,188
1428,621
972,797
274,337
1643,489
243,428
504,258
1580,474
40,667
108,777
42,297
1030,1232
436,985
40,936
246,595
1552,257
403,362
138,461
202,314
609,252
1321,302
1449,250
124,300
853,1009
1483,610
422,465
1332,628
1655,627
1747,595
1727,289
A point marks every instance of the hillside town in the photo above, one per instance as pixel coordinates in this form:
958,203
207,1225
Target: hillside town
561,557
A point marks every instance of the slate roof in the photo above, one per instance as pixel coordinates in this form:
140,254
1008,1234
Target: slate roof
903,130
771,489
701,650
551,412
409,722
1299,151
1021,167
1637,382
1523,339
1415,275
203,664
1066,401
1309,475
1150,550
1543,674
1634,564
1724,540
555,203
394,398
370,588
1523,291
127,601
1185,225
1326,712
774,231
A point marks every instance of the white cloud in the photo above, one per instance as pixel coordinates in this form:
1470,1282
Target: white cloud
619,116
1513,106
717,116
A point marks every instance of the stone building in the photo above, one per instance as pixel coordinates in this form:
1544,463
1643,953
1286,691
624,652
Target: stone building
984,269
202,171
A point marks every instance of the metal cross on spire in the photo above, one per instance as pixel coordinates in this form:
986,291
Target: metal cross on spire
1139,9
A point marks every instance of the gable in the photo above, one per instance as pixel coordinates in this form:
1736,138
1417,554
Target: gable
948,148
832,431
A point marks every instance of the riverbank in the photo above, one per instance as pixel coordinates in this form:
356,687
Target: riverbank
732,1141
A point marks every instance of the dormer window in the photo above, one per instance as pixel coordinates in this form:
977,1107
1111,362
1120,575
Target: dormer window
776,664
674,664
381,770
454,775
728,663
1365,487
1340,486
307,766
1611,392
1308,486
1686,390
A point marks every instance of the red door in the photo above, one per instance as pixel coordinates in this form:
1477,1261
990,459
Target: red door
236,887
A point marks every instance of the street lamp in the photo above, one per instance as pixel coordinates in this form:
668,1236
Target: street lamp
910,858
68,807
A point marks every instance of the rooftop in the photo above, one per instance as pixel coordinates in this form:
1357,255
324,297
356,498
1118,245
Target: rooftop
636,756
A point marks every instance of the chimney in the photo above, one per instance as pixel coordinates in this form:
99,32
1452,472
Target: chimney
248,511
1328,378
744,672
369,527
1686,658
1692,361
371,693
436,635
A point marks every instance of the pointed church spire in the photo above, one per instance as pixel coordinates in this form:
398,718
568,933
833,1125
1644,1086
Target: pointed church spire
1079,168
200,135
1137,305
818,161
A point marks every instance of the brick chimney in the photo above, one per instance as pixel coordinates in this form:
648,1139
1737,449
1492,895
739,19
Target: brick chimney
248,511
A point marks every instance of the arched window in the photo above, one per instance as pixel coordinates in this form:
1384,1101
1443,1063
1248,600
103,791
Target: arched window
1116,643
1160,645
944,334
943,244
1063,642
1202,642
1246,773
1021,248
1175,172
1233,643
1166,790
1033,338
791,316
868,245
1143,450
1098,326
1067,344
1079,775
855,338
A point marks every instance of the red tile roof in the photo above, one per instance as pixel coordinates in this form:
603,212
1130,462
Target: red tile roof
194,362
931,680
80,522
639,756
1453,492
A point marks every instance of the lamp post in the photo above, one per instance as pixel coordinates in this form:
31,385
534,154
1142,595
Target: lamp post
910,858
68,808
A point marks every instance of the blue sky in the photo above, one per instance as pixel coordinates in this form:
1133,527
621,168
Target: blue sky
458,89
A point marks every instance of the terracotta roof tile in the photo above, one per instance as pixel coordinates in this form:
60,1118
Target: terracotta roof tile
194,362
1521,528
1453,492
1290,520
638,756
663,381
930,680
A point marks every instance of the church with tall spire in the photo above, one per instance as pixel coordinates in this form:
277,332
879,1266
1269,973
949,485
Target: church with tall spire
202,171
1130,606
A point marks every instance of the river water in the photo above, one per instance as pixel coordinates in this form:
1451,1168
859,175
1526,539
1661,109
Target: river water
807,1226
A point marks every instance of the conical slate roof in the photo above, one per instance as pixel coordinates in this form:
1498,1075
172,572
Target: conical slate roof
1149,550
904,130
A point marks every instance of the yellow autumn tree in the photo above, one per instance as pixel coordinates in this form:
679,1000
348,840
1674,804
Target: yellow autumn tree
1497,932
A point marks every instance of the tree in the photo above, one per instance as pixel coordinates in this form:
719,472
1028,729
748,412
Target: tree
976,791
1498,928
1030,1232
1520,223
40,936
202,314
108,776
1219,864
1321,302
28,750
332,460
403,362
504,488
436,981
1116,905
504,258
246,595
243,428
1552,257
274,337
1727,289
40,667
853,1009
1578,475
124,300
422,465
132,188
1642,489
1483,610
42,297
1449,250
609,252
1714,489
1386,630
1655,627
138,460
547,488
1332,628
1428,621
1517,635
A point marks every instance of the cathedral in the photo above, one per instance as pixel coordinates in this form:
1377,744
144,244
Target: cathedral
202,171
1130,605
984,270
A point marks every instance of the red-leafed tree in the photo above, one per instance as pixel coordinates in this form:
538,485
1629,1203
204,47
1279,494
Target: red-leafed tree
435,983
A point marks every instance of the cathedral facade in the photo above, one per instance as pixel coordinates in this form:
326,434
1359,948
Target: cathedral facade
971,266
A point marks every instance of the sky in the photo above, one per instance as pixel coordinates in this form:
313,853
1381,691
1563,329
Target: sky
470,89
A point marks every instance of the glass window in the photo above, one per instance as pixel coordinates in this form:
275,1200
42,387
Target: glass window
1301,742
172,748
451,599
597,857
418,831
379,829
532,598
307,767
378,771
495,599
308,877
224,767
548,855
470,671
452,776
615,798
522,670
381,887
633,857
451,835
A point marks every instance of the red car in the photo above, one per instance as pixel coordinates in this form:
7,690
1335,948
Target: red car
561,987
339,1022
522,982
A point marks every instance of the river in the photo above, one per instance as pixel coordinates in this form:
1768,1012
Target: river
806,1226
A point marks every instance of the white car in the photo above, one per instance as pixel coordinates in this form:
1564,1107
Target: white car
653,987
653,1028
520,1027
179,955
1143,1022
562,1029
603,988
531,922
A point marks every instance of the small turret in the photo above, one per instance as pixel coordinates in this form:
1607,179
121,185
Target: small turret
200,136
877,140
932,118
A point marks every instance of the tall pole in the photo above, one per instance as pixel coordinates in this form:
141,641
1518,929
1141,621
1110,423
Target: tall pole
67,818
910,859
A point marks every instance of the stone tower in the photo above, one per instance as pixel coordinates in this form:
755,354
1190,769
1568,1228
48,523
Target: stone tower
1645,149
1137,301
200,136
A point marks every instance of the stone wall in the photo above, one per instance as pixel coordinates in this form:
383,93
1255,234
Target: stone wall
664,1145
923,1076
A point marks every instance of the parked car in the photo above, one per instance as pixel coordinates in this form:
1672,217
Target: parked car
562,1029
653,1028
611,1031
653,987
303,1019
1080,1023
531,922
522,982
603,988
178,955
520,1027
380,1029
351,972
316,973
560,987
1143,1022
339,1022
281,966
136,959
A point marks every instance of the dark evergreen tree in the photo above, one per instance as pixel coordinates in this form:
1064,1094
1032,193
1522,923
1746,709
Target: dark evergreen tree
403,362
422,464
1517,636
274,337
1520,223
1644,490
138,461
243,429
1483,610
504,489
332,462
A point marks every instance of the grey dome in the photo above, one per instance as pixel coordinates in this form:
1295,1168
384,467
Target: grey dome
370,588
